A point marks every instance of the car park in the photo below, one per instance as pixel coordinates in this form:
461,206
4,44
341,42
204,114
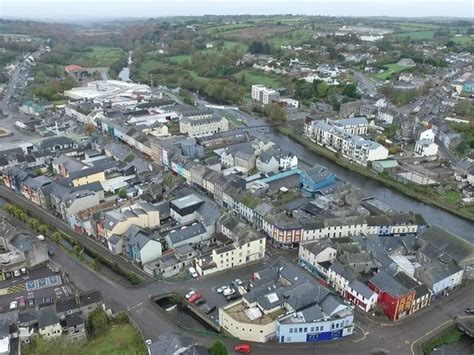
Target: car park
189,294
194,297
222,289
228,292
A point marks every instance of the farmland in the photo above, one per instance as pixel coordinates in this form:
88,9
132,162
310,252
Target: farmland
416,35
392,68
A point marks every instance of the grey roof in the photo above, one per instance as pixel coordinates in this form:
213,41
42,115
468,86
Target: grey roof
53,141
318,246
351,121
114,239
330,304
436,271
47,316
180,235
303,295
73,320
37,182
171,344
388,284
186,201
318,173
70,163
93,170
339,269
361,288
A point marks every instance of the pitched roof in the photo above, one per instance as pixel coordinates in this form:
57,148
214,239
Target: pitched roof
385,282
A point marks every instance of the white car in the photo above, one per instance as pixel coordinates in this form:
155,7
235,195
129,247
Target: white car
222,289
228,292
238,282
193,272
13,304
189,294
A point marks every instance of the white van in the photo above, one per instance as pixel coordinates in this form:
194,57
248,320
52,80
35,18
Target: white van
193,272
40,237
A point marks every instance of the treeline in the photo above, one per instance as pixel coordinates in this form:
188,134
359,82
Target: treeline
215,64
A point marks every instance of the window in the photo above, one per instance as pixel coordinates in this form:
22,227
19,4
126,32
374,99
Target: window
291,330
312,329
305,330
301,330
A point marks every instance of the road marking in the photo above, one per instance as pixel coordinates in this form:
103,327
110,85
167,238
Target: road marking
133,307
363,332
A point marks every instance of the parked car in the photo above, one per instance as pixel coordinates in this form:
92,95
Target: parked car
233,297
200,301
469,310
228,292
193,272
222,289
13,304
189,294
22,302
242,348
17,273
209,308
31,302
194,297
237,282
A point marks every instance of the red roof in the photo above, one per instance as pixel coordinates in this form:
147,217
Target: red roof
72,68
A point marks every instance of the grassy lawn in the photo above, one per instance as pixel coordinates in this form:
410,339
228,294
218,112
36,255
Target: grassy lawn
408,27
237,122
120,339
227,27
178,59
463,40
452,196
293,38
253,78
416,35
392,68
99,57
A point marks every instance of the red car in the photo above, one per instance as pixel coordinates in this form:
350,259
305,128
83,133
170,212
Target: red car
22,302
242,348
194,297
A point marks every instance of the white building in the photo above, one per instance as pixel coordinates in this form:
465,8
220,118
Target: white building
343,137
264,95
199,127
425,145
361,295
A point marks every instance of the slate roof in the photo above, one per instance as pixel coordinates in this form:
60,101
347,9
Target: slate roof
388,284
180,235
361,288
47,316
53,141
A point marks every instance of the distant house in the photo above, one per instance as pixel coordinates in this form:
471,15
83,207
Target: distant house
187,235
381,166
31,108
361,295
72,69
425,145
276,160
48,322
141,247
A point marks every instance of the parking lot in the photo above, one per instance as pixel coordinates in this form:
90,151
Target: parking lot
39,286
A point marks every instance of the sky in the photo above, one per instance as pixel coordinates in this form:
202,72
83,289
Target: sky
94,9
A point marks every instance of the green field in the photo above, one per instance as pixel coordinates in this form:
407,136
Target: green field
226,27
293,38
392,68
253,78
408,26
99,56
178,59
463,40
416,35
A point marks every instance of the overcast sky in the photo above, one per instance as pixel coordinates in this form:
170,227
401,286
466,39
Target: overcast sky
93,9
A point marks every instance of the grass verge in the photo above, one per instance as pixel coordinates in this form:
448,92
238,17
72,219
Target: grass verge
449,336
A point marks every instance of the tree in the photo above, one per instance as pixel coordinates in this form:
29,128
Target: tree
122,192
57,236
218,348
350,90
275,113
322,89
33,223
98,321
89,128
22,216
43,229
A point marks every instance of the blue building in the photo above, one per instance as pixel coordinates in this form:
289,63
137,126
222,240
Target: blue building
330,319
314,180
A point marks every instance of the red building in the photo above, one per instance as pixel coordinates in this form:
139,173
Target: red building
395,298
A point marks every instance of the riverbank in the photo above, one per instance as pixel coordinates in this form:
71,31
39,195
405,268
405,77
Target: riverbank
367,172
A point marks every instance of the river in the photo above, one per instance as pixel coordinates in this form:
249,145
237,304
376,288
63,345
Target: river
124,74
433,215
